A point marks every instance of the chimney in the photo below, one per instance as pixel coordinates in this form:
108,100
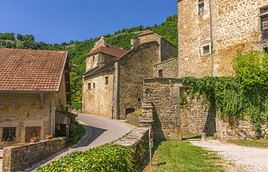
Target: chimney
135,43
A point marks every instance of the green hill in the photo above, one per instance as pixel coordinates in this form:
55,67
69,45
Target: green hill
79,49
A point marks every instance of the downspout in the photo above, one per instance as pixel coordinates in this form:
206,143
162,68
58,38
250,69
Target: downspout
211,38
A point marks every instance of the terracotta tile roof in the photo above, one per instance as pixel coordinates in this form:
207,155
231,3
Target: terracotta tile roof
31,70
109,49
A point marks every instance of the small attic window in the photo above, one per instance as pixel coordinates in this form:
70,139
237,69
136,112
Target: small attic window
93,58
201,7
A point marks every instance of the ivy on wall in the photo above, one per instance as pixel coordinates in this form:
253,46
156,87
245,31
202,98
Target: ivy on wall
243,96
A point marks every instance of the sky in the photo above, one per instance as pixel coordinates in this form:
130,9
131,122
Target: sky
57,21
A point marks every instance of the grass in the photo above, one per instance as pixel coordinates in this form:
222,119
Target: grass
261,143
173,156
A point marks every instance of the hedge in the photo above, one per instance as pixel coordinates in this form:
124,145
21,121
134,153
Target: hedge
106,158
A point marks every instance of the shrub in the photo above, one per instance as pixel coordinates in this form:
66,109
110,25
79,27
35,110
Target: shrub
106,158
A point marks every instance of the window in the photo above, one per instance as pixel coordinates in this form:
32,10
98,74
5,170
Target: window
206,50
106,80
264,23
9,134
94,85
201,7
160,73
93,58
89,86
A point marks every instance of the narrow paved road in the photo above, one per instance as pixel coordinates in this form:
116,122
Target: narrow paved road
99,131
245,159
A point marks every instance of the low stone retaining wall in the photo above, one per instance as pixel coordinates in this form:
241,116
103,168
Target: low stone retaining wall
133,119
239,129
18,158
139,140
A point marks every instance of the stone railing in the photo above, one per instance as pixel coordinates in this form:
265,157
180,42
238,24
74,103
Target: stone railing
18,158
139,140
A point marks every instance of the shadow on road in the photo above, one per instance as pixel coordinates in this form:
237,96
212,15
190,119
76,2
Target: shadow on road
91,135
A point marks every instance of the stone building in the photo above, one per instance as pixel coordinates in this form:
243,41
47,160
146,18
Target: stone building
212,32
34,91
114,78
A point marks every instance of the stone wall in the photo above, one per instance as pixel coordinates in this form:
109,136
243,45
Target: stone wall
98,100
197,115
134,67
164,96
139,140
239,129
234,27
169,68
18,158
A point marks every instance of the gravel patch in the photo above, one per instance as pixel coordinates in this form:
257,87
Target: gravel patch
245,159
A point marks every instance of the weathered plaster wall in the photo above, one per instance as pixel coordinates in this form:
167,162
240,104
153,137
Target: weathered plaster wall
92,61
133,69
169,68
235,28
98,100
22,111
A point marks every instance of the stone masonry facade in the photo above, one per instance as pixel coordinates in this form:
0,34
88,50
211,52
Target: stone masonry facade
18,158
113,82
212,33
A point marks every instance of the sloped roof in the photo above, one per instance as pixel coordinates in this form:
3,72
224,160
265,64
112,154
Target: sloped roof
146,32
31,70
110,50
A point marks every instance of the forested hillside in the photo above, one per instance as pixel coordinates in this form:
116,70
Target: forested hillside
79,49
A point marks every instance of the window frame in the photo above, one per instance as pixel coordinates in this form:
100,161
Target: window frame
89,86
106,80
10,132
203,52
201,5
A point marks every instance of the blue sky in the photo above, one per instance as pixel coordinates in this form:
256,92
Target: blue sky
57,21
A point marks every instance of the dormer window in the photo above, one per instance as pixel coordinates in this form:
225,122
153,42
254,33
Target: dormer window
201,7
264,23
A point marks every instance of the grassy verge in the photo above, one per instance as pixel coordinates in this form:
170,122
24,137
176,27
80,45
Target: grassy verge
172,156
262,143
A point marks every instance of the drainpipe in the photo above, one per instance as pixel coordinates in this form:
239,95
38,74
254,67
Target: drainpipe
211,38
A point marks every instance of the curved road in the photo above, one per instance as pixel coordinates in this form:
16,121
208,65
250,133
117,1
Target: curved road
99,131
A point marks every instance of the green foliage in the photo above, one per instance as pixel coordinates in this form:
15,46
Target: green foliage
261,143
7,36
168,30
243,96
77,131
173,156
107,158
